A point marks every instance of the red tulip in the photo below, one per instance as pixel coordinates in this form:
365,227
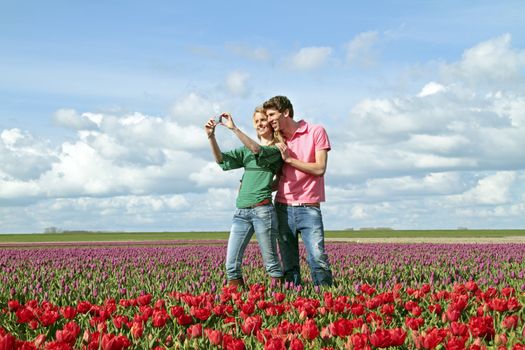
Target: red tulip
296,344
49,317
387,309
214,336
137,329
24,315
459,329
414,323
341,327
275,344
432,338
309,330
159,319
7,342
513,304
58,345
184,320
251,324
510,322
112,342
358,341
380,338
68,312
279,297
83,307
397,336
482,327
144,299
194,331
13,305
498,304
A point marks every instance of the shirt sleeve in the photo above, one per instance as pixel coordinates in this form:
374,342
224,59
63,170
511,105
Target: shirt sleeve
321,139
268,156
232,159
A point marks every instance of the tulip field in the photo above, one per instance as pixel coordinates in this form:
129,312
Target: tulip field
174,295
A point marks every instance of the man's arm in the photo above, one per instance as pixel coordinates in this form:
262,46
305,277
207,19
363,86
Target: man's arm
318,168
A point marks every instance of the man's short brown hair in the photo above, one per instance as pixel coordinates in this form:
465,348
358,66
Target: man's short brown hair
280,103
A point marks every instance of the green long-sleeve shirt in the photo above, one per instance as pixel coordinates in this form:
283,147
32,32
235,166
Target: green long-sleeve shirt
259,171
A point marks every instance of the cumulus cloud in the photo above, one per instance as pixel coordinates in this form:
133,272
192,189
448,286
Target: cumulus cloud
431,89
131,154
491,62
360,49
69,118
310,57
449,154
237,83
193,109
211,175
443,155
22,156
492,189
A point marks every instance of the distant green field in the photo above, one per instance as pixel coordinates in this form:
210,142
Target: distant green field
168,236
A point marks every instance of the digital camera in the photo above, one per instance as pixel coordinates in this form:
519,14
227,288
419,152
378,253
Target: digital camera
217,119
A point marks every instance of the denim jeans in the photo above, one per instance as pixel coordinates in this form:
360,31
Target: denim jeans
307,221
263,221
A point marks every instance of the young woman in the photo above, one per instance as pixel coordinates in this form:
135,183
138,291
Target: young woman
255,211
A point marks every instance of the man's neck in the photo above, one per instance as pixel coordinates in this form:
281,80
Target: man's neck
290,128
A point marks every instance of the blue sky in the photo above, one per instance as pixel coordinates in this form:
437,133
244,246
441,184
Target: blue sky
102,106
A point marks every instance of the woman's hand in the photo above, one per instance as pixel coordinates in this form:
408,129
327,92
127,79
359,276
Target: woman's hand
210,127
228,121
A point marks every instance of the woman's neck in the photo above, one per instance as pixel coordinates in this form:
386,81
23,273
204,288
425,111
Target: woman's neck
266,139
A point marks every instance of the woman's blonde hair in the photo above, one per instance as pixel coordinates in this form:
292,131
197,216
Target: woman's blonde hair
277,137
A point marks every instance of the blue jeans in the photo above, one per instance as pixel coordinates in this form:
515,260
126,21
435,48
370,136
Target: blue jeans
307,221
263,221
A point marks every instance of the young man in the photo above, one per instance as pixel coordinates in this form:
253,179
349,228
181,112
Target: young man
300,192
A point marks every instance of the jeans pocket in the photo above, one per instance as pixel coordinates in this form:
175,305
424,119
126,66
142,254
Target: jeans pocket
265,215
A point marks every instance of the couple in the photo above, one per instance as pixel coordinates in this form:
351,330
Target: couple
299,162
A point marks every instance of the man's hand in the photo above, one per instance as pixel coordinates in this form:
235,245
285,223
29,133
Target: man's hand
284,152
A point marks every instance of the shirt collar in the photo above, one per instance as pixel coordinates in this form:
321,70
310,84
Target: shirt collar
303,127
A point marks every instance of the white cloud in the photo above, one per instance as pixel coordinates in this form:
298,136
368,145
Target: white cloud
310,57
69,118
431,89
510,105
194,109
361,48
490,62
437,144
211,175
236,82
23,157
132,154
443,154
490,190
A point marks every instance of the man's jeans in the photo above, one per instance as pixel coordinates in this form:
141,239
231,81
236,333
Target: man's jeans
263,221
307,221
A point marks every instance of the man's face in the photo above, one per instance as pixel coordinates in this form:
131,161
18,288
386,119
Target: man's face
274,117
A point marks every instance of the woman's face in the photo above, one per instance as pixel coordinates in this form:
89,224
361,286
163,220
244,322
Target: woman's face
262,126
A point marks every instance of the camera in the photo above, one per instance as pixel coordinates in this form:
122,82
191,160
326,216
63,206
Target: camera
217,119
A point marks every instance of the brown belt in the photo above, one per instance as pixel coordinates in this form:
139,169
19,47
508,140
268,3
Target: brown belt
317,205
263,202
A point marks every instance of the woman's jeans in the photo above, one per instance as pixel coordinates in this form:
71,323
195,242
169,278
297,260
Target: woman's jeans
307,221
263,221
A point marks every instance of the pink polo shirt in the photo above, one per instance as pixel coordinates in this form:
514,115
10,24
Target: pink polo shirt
296,186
